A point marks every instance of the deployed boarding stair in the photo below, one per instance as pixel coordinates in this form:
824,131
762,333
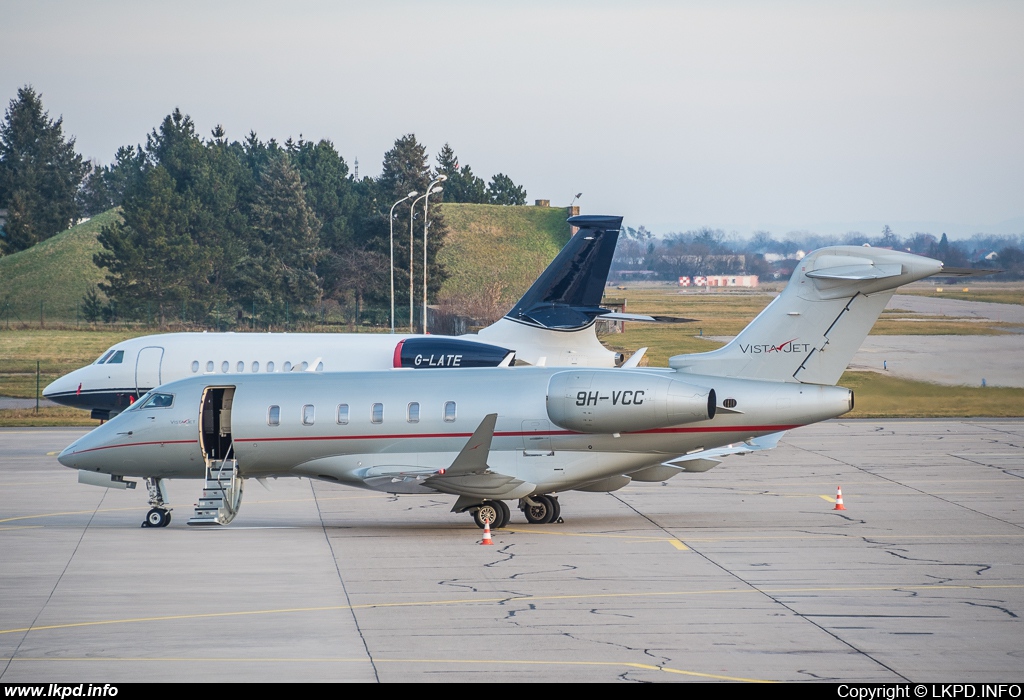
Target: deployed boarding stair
222,494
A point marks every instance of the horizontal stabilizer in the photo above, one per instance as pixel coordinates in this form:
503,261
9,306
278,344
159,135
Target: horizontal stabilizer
643,318
856,272
965,272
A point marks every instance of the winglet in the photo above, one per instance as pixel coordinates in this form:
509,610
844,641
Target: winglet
473,457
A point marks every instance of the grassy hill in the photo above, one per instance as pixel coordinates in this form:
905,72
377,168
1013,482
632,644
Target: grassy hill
57,272
494,253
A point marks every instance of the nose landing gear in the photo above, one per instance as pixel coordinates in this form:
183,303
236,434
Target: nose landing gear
159,515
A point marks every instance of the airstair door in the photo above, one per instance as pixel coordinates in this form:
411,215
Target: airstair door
216,422
147,369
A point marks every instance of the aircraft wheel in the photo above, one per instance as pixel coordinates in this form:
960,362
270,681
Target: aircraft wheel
506,515
488,512
556,511
157,517
540,513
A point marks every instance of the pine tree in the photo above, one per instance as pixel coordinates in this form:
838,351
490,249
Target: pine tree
280,265
462,185
40,173
151,257
502,190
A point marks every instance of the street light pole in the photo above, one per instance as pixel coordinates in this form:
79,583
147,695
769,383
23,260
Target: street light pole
412,211
426,224
391,220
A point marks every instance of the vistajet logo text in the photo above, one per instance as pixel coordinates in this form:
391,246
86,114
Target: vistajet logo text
788,346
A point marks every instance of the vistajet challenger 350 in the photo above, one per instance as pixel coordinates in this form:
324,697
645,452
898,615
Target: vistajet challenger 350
553,325
521,434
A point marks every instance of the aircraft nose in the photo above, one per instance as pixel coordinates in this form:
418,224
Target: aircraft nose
65,456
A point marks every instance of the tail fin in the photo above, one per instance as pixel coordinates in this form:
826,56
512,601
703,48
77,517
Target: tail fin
553,323
811,331
567,295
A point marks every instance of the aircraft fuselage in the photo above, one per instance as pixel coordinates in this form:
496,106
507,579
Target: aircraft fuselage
389,430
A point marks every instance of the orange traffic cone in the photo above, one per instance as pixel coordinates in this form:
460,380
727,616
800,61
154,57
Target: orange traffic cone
839,499
487,533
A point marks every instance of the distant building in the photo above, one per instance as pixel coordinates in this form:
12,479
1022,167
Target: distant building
749,281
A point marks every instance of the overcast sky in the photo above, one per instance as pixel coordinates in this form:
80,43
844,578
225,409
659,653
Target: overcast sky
828,116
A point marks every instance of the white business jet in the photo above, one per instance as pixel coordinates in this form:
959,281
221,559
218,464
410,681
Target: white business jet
520,434
553,325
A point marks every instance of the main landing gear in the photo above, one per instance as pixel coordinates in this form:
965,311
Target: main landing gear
540,510
494,512
159,515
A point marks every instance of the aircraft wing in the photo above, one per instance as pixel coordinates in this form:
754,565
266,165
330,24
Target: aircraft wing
469,474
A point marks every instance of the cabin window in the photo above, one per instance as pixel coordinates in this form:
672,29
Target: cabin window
255,366
104,357
224,367
274,415
117,358
209,366
342,414
195,366
377,413
413,414
270,366
308,414
449,411
287,367
240,367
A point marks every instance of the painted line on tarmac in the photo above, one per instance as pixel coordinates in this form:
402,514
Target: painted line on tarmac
328,660
597,535
505,600
181,506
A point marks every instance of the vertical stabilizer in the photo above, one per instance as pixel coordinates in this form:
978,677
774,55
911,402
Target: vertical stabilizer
554,321
811,331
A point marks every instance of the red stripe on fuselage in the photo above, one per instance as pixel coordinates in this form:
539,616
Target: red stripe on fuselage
538,433
138,444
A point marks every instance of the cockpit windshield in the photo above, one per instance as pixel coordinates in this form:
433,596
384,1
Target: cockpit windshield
111,357
153,400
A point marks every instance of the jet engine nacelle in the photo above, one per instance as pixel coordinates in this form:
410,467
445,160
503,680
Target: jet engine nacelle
429,353
614,402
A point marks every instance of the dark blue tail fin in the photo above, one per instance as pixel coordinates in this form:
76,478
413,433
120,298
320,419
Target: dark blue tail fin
567,295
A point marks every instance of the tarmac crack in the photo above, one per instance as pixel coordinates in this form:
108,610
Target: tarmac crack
344,588
56,584
1000,608
773,598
